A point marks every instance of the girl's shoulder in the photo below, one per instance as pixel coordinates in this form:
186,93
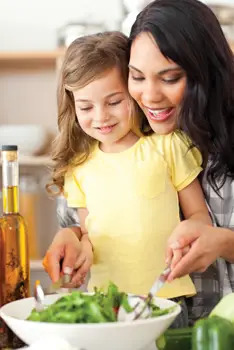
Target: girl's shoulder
80,161
173,146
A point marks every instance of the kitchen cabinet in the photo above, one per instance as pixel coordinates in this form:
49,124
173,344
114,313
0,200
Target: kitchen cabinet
28,83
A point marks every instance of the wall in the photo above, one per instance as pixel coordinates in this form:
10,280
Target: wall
27,97
33,24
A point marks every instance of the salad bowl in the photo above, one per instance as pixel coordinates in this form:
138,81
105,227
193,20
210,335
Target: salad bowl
131,335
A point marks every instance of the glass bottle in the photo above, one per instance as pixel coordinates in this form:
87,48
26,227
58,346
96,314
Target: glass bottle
29,204
14,256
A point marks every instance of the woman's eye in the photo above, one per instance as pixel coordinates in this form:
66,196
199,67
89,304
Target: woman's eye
172,80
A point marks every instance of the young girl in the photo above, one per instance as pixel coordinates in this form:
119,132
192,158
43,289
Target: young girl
127,187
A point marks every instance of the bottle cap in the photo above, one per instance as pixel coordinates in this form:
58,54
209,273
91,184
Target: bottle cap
9,148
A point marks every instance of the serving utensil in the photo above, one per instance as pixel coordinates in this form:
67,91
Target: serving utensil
141,306
39,294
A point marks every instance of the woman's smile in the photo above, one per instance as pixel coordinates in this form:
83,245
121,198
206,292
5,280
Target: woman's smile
161,114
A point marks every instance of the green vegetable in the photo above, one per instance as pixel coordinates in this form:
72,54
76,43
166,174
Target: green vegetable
78,307
213,333
175,339
225,308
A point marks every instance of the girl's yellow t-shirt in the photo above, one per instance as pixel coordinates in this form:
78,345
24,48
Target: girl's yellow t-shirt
133,208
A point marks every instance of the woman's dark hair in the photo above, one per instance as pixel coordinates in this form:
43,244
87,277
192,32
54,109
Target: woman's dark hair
188,33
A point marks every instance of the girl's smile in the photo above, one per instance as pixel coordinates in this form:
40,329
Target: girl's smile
106,129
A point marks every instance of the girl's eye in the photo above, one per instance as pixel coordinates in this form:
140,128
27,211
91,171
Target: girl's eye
115,103
137,78
85,108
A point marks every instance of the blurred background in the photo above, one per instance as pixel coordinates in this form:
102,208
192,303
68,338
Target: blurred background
33,37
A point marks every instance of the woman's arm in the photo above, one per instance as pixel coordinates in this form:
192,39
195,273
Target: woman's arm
207,244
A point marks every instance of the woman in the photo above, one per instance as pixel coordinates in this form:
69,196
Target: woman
185,35
172,41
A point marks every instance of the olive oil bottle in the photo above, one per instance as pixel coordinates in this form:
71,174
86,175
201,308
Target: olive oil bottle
14,255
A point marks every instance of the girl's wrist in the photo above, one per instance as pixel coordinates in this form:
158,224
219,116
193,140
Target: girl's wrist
75,229
85,238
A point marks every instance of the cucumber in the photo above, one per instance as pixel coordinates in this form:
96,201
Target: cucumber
175,339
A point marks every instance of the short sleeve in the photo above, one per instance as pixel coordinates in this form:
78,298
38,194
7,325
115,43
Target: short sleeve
73,192
183,159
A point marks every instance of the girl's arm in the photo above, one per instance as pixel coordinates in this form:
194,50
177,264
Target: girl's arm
83,213
192,203
85,259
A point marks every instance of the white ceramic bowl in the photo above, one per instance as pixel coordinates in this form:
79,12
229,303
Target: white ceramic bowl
30,138
135,335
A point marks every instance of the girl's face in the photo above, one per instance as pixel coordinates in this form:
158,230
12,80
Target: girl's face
156,83
103,111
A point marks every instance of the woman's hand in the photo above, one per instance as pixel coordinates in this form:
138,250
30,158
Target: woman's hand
65,248
205,246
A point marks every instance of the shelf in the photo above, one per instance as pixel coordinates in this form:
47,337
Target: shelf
26,60
35,161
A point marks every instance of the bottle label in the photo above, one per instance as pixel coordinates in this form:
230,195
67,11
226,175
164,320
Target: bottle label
10,174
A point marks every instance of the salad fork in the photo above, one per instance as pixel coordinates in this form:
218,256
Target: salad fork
39,294
141,307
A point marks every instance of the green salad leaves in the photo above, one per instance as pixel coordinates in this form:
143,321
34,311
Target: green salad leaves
79,307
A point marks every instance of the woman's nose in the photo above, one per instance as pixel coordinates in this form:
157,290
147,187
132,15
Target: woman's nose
151,94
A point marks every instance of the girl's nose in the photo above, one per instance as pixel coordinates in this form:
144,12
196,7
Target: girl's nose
101,115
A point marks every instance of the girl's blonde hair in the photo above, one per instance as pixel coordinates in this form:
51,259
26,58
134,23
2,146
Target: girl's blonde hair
86,59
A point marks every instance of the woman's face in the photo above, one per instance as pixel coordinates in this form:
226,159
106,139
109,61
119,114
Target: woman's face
156,83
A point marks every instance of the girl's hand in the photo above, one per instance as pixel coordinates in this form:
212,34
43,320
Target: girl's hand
84,261
65,248
205,244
